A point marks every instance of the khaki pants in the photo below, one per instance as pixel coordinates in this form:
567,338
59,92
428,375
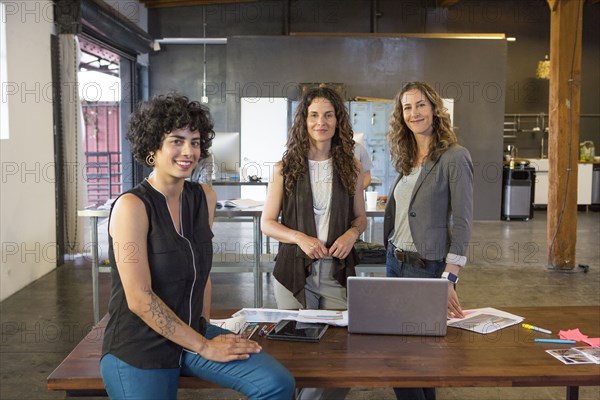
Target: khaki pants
322,290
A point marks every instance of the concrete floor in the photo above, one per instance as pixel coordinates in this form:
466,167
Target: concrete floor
507,267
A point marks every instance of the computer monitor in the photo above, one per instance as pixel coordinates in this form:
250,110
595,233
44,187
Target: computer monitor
226,152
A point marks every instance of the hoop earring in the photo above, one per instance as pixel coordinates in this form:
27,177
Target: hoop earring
150,160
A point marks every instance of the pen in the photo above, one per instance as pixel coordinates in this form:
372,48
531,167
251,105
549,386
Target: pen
535,328
269,329
253,332
262,330
266,329
558,341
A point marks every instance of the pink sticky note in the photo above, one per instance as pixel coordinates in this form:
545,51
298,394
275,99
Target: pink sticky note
572,334
594,342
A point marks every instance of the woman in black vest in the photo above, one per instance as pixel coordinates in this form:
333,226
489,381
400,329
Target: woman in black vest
317,189
161,253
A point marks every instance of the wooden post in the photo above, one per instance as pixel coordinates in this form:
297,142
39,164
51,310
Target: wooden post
565,82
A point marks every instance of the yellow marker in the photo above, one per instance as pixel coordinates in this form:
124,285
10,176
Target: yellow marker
535,328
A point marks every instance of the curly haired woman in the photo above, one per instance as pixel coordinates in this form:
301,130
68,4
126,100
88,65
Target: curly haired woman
317,189
428,216
161,253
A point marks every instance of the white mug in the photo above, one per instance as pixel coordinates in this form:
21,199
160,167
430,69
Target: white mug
371,200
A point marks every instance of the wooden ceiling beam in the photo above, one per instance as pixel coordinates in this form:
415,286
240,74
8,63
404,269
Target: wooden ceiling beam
185,3
446,3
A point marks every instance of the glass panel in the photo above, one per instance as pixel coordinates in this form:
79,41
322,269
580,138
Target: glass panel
100,92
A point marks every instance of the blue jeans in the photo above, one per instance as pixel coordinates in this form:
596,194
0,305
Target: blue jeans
397,269
259,377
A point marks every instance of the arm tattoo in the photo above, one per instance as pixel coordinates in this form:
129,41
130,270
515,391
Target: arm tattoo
162,315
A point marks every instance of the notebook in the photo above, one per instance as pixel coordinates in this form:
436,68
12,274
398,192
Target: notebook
397,306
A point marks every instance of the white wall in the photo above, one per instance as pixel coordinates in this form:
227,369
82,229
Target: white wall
263,138
27,202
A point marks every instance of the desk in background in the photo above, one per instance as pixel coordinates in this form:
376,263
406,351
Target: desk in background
237,182
375,182
218,266
93,214
235,189
254,213
371,215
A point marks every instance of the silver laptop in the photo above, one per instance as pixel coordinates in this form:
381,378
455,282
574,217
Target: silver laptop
397,306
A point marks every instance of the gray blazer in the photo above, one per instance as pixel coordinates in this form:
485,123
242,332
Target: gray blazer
441,206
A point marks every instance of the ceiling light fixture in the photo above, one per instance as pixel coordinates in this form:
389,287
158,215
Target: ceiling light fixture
543,68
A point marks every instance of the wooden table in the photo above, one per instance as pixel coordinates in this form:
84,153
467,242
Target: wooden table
507,358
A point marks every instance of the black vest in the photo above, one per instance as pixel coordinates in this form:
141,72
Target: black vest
179,267
292,265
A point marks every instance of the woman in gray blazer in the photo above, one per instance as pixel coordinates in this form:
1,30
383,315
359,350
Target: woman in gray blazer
429,212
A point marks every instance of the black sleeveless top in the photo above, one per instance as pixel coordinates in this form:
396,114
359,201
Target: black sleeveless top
179,268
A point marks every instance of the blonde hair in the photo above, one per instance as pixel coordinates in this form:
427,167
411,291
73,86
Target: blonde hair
403,145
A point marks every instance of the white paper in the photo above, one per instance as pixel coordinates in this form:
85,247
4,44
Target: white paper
233,324
570,356
330,317
485,320
265,314
593,353
239,203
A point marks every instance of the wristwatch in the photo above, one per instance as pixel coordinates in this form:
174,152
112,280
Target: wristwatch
451,277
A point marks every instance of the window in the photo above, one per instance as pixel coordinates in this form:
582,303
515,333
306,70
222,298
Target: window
99,88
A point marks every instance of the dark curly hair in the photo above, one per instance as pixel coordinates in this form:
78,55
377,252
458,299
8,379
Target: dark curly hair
403,145
342,144
153,120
